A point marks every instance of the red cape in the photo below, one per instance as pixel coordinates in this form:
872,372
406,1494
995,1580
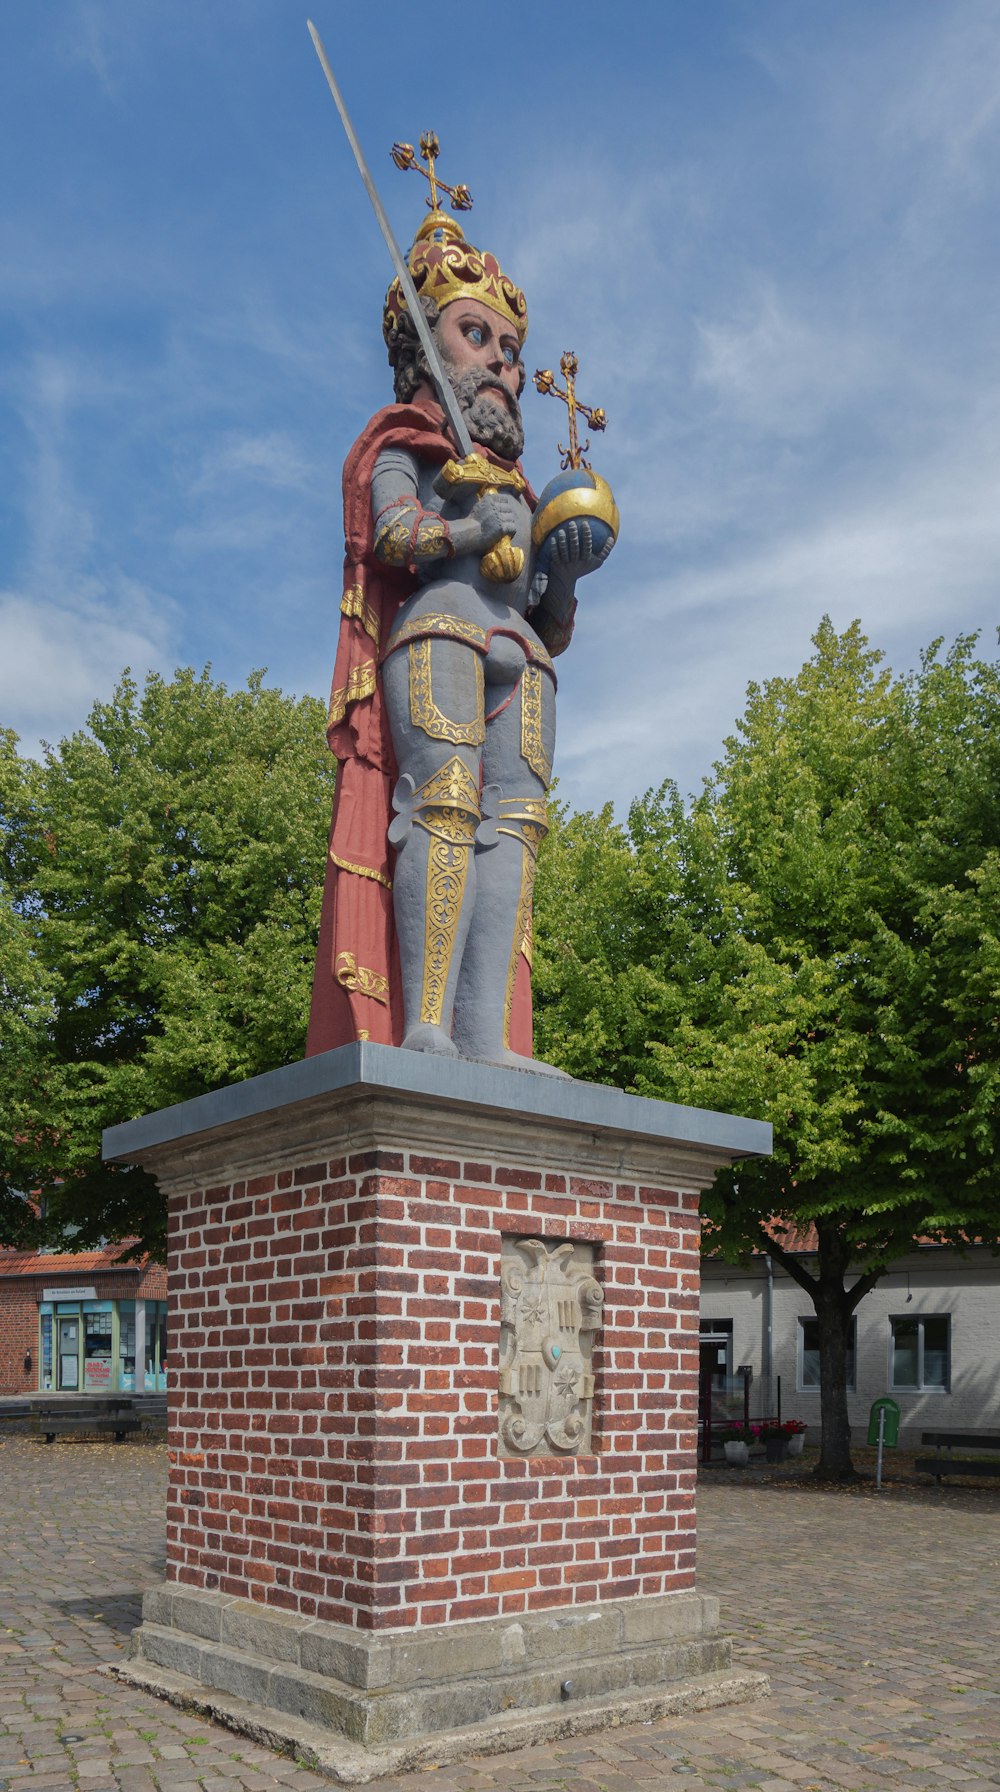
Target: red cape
357,991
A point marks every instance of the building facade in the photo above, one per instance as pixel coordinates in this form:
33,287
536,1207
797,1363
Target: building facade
928,1335
81,1323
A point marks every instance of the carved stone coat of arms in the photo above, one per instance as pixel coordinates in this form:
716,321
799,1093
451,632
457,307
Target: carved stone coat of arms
550,1309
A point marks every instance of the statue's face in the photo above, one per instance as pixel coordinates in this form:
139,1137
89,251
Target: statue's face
471,336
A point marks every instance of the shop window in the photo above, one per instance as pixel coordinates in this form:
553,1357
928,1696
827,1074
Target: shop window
808,1363
920,1354
98,1327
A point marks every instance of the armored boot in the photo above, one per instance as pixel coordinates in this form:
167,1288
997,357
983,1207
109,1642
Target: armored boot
434,892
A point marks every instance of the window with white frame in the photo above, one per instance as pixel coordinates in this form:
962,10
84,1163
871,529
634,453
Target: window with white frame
920,1353
808,1363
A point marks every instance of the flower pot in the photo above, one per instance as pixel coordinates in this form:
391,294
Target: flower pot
774,1447
737,1454
795,1443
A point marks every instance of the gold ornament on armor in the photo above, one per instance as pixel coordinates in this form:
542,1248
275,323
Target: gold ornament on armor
447,806
448,803
532,742
449,628
424,712
392,537
525,819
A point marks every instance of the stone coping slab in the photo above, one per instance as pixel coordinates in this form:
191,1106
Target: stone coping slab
443,1083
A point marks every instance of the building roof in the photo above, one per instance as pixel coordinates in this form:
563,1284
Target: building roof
69,1263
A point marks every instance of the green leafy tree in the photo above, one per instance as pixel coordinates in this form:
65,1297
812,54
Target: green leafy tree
813,941
161,880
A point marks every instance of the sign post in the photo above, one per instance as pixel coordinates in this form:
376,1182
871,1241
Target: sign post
883,1430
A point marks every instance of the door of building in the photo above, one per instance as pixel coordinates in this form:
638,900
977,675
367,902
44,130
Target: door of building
69,1353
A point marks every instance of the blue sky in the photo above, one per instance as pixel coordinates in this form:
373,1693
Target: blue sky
769,231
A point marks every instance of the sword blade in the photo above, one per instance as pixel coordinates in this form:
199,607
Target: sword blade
445,392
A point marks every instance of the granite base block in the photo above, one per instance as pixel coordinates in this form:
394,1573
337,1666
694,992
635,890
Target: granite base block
381,1690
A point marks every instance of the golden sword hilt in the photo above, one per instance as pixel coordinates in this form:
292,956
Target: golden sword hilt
545,381
504,560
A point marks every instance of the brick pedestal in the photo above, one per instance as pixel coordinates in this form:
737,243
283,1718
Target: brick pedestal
348,1550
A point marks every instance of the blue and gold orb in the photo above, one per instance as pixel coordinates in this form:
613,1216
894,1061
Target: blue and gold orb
576,495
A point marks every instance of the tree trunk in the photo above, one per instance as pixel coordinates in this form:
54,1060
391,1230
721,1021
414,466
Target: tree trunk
835,1308
834,1313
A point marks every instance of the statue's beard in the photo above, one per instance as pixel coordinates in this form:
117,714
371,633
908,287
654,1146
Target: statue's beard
493,420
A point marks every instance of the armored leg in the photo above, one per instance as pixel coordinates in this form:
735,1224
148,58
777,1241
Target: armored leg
434,697
517,761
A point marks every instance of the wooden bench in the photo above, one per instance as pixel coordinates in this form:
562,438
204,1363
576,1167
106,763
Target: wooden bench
75,1417
944,1463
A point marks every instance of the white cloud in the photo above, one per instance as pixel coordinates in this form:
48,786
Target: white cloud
269,459
58,658
782,372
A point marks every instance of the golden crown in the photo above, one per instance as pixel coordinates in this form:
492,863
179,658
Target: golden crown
443,265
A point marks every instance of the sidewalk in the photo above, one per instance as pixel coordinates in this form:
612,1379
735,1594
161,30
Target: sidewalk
877,1619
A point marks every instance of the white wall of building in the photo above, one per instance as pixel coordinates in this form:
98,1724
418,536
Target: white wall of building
939,1284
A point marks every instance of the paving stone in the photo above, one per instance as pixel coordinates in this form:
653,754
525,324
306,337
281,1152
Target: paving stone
878,1622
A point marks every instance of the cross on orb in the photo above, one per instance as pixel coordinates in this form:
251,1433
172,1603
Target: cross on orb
545,380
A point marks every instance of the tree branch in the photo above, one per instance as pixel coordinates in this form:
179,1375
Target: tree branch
788,1262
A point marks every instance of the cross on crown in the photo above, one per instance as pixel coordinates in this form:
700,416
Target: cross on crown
405,156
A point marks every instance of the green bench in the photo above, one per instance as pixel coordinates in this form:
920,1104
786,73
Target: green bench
944,1463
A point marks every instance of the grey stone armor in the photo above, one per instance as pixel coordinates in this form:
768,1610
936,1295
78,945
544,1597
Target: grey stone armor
470,695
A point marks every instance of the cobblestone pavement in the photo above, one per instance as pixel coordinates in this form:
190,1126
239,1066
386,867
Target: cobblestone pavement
878,1620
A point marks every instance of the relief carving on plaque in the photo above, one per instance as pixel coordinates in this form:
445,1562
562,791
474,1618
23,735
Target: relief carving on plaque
550,1309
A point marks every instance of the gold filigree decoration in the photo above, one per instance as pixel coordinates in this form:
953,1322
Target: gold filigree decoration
433,539
377,877
392,538
528,941
448,804
452,785
447,873
449,628
424,712
532,744
359,979
447,808
524,818
360,684
353,603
